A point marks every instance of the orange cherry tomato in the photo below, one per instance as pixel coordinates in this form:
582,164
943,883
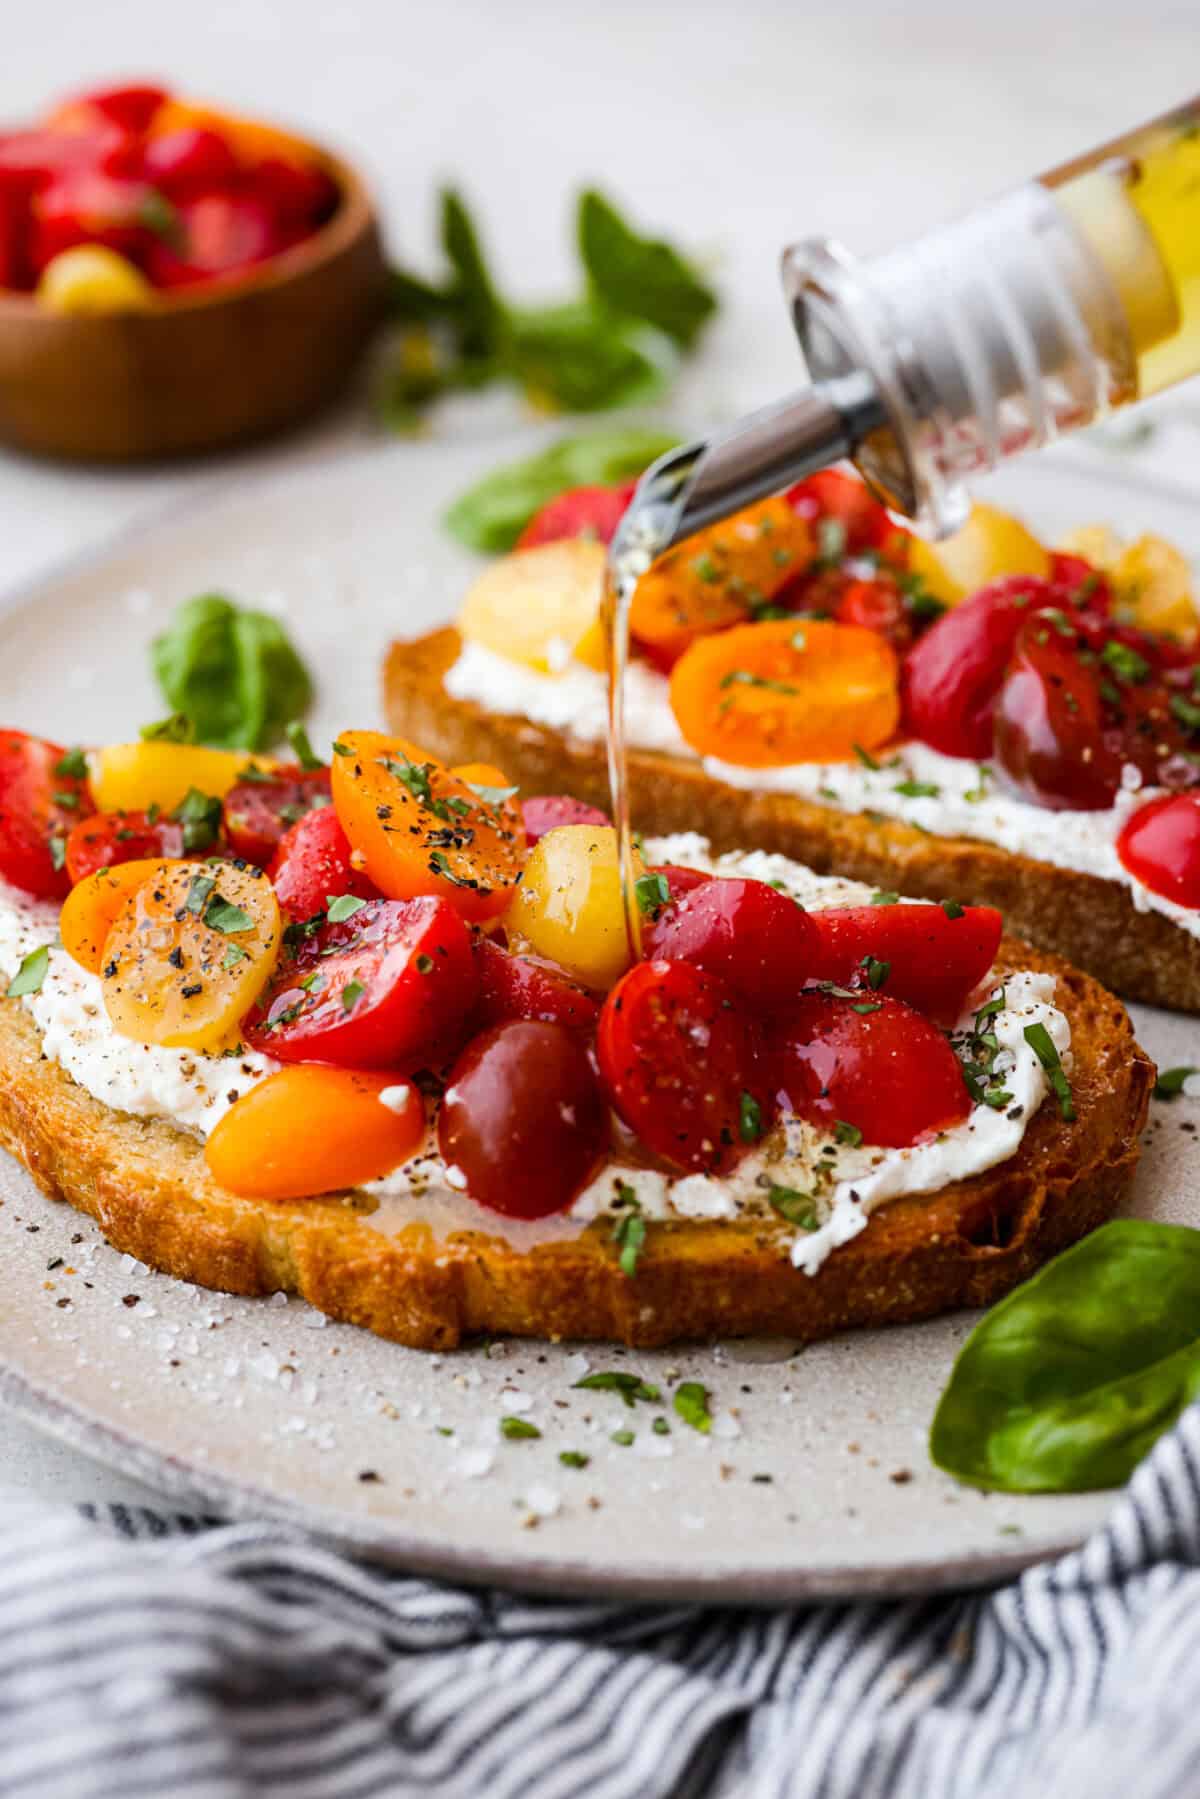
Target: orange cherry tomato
419,827
93,905
309,1130
785,691
719,576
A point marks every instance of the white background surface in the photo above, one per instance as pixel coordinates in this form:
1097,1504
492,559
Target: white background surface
731,127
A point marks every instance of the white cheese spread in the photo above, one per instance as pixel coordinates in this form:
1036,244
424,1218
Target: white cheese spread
968,800
846,1182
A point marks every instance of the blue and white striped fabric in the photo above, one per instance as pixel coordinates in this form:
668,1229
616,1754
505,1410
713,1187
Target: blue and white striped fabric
141,1658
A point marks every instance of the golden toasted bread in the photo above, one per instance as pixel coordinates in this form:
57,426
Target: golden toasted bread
148,1187
1090,921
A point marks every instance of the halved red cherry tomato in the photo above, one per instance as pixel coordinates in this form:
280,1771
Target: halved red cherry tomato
189,161
680,1062
1082,584
219,235
874,1064
301,195
593,512
88,206
132,107
107,838
371,991
522,987
1160,844
877,605
546,811
1049,727
258,813
523,1122
951,677
845,500
932,957
314,860
42,799
760,942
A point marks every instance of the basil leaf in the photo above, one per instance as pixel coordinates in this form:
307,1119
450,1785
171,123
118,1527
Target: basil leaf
232,671
691,1403
631,1387
31,974
476,303
516,1429
344,906
491,515
1169,1084
222,915
178,728
579,358
641,276
1067,1383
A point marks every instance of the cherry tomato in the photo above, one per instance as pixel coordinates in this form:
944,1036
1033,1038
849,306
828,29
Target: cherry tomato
877,605
846,501
1049,720
874,1064
258,813
817,591
189,161
593,512
370,991
1160,844
680,880
311,1130
132,107
314,860
219,235
32,159
300,195
546,811
89,206
42,799
523,1120
760,942
932,957
680,1063
13,262
107,838
1082,584
951,677
523,987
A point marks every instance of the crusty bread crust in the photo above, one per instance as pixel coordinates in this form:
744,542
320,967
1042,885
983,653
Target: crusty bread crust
148,1187
1090,921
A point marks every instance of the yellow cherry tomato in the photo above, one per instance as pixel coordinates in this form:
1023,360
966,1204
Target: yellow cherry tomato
93,279
188,954
538,606
990,544
568,907
309,1130
132,777
93,905
1151,580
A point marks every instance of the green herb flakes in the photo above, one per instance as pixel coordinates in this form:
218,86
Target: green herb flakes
652,892
847,1133
690,1401
750,1122
352,992
302,748
622,1438
1040,1042
221,915
573,1458
631,1387
885,899
952,908
72,767
517,1430
798,1208
1169,1084
340,907
31,973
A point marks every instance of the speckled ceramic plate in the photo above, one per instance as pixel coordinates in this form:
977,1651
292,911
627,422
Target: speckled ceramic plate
815,1479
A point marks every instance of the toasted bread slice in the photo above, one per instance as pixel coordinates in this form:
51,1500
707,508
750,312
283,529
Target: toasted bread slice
1090,921
148,1187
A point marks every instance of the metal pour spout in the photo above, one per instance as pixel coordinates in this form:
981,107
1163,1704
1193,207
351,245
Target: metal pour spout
763,453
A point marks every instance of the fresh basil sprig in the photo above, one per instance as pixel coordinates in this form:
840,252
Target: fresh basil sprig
231,672
491,515
1068,1382
613,345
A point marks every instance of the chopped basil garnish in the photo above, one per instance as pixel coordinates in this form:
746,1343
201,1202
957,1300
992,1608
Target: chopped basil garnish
865,757
750,1123
342,749
629,1230
744,677
221,915
1186,711
491,796
1169,1084
31,974
342,906
706,569
440,866
622,1438
847,1133
952,908
233,955
798,1208
660,1427
885,899
517,1429
200,815
1040,1042
302,747
1125,663
917,790
691,1403
863,1008
652,893
877,971
177,728
573,1458
423,963
831,540
352,992
200,889
631,1387
72,766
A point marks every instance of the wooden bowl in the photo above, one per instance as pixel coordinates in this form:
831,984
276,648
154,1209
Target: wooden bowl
204,369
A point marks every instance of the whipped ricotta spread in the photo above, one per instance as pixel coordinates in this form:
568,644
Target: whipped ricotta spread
967,799
844,1182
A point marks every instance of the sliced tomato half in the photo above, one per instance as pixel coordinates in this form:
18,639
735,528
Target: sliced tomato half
43,795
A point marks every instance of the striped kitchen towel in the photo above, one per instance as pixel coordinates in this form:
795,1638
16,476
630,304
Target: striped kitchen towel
147,1657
